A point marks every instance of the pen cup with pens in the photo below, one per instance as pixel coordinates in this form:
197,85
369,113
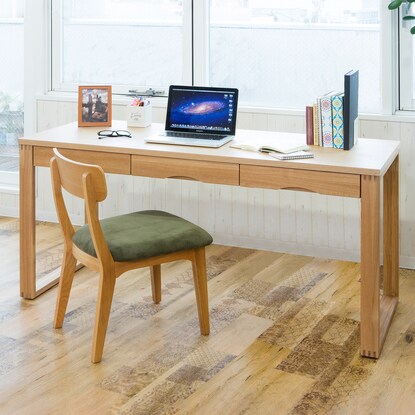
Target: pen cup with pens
139,113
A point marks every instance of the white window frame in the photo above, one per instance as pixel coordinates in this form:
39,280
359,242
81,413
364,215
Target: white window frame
201,42
9,181
36,73
389,60
406,62
56,53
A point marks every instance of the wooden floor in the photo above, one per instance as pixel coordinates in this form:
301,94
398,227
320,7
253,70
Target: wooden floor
284,340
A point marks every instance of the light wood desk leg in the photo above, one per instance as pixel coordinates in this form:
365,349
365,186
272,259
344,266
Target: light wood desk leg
370,266
27,223
376,312
391,230
390,248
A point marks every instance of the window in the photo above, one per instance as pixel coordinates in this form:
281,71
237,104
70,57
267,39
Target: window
278,53
407,63
11,84
284,54
125,43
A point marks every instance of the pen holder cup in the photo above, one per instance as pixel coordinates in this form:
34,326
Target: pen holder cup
139,116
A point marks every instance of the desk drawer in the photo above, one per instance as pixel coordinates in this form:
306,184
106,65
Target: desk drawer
110,162
203,171
328,183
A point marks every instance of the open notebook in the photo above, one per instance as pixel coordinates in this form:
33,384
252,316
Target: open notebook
272,144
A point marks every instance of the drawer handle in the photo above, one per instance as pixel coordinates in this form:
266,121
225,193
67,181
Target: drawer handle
183,178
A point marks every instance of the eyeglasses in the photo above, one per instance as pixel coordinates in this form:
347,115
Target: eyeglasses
113,133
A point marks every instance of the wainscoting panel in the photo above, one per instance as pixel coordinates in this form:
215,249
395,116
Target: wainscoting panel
287,221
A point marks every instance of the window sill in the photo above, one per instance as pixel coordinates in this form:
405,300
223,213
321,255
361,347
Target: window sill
161,102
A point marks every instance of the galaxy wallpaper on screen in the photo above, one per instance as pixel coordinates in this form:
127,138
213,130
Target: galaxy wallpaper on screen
202,110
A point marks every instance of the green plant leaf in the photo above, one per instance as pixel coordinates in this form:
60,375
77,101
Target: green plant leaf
411,1
394,4
413,30
408,18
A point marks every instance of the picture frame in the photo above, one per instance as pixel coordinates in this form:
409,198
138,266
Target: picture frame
94,106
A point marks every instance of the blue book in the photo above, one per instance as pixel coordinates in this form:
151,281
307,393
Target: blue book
350,107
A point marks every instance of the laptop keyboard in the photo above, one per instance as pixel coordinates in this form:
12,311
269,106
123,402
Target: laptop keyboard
176,134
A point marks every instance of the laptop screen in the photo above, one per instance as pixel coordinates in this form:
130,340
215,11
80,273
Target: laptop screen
202,109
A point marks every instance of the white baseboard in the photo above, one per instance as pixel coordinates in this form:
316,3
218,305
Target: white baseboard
407,262
45,216
286,247
10,212
294,248
242,241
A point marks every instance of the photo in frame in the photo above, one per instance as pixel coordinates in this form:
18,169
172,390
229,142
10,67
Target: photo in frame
94,106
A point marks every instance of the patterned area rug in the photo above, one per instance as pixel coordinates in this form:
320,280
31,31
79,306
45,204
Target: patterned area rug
322,346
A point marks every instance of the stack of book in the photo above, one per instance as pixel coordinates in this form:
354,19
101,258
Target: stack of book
330,121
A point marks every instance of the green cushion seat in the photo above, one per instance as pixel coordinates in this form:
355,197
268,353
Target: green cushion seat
144,234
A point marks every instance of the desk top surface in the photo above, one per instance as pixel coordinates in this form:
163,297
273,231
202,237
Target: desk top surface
368,156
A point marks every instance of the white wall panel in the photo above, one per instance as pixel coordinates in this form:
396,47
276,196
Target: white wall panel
303,218
351,224
174,198
9,204
271,214
189,196
141,189
407,189
240,211
336,222
222,209
288,216
255,200
206,206
320,228
283,220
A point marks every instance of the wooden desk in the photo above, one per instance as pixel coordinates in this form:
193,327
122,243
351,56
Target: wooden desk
357,173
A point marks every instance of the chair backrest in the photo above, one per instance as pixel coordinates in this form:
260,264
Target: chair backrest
86,181
71,176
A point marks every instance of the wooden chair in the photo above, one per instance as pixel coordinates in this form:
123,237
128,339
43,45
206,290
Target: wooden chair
115,245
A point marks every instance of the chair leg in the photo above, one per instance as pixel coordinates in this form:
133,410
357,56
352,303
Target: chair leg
200,281
156,282
64,290
105,294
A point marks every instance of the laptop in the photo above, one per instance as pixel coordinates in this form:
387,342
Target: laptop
199,116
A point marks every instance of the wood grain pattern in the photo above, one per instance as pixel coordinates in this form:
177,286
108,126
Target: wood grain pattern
371,157
284,337
110,162
162,167
27,222
337,184
391,230
370,267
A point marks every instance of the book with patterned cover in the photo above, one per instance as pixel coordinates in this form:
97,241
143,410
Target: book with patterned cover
326,121
309,125
319,123
315,124
337,120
